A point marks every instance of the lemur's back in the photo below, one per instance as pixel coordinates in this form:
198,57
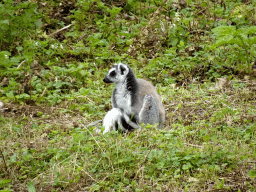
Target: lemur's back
146,88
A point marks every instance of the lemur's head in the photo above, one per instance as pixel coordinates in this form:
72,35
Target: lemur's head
117,74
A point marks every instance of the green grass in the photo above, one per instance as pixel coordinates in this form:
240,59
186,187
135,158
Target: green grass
208,143
200,55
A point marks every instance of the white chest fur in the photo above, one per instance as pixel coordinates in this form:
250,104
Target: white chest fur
123,98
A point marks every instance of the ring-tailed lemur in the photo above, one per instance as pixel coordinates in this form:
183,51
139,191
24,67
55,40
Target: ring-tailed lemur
134,101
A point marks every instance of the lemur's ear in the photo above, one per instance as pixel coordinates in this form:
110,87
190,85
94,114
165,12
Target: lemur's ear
122,69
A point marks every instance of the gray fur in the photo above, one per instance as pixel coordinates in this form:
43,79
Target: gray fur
149,113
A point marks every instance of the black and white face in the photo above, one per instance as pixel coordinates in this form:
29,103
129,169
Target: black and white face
117,74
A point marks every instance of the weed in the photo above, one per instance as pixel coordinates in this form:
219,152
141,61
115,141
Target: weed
243,40
199,55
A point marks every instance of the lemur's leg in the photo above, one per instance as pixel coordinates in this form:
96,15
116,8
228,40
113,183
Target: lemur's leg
112,119
128,124
149,113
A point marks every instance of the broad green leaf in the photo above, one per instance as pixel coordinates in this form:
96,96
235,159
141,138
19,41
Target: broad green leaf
5,22
31,187
187,166
224,30
4,182
241,33
174,42
251,41
19,48
10,94
252,173
38,23
6,190
251,30
224,40
235,41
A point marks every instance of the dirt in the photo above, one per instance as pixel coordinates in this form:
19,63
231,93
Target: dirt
237,180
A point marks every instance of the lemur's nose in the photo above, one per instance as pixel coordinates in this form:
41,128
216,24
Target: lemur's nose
106,80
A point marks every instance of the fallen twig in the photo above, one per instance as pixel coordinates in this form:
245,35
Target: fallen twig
93,123
199,146
60,30
43,92
21,64
5,164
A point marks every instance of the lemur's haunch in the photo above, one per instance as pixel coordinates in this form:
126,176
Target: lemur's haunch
134,101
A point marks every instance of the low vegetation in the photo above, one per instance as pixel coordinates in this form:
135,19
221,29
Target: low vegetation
199,54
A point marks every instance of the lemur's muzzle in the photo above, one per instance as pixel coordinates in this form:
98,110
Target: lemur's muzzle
107,80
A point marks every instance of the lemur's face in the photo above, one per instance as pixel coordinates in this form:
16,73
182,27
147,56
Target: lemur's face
117,74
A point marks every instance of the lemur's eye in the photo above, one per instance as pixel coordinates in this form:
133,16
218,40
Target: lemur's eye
112,74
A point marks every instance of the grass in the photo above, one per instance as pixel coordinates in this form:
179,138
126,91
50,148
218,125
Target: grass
208,144
199,54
